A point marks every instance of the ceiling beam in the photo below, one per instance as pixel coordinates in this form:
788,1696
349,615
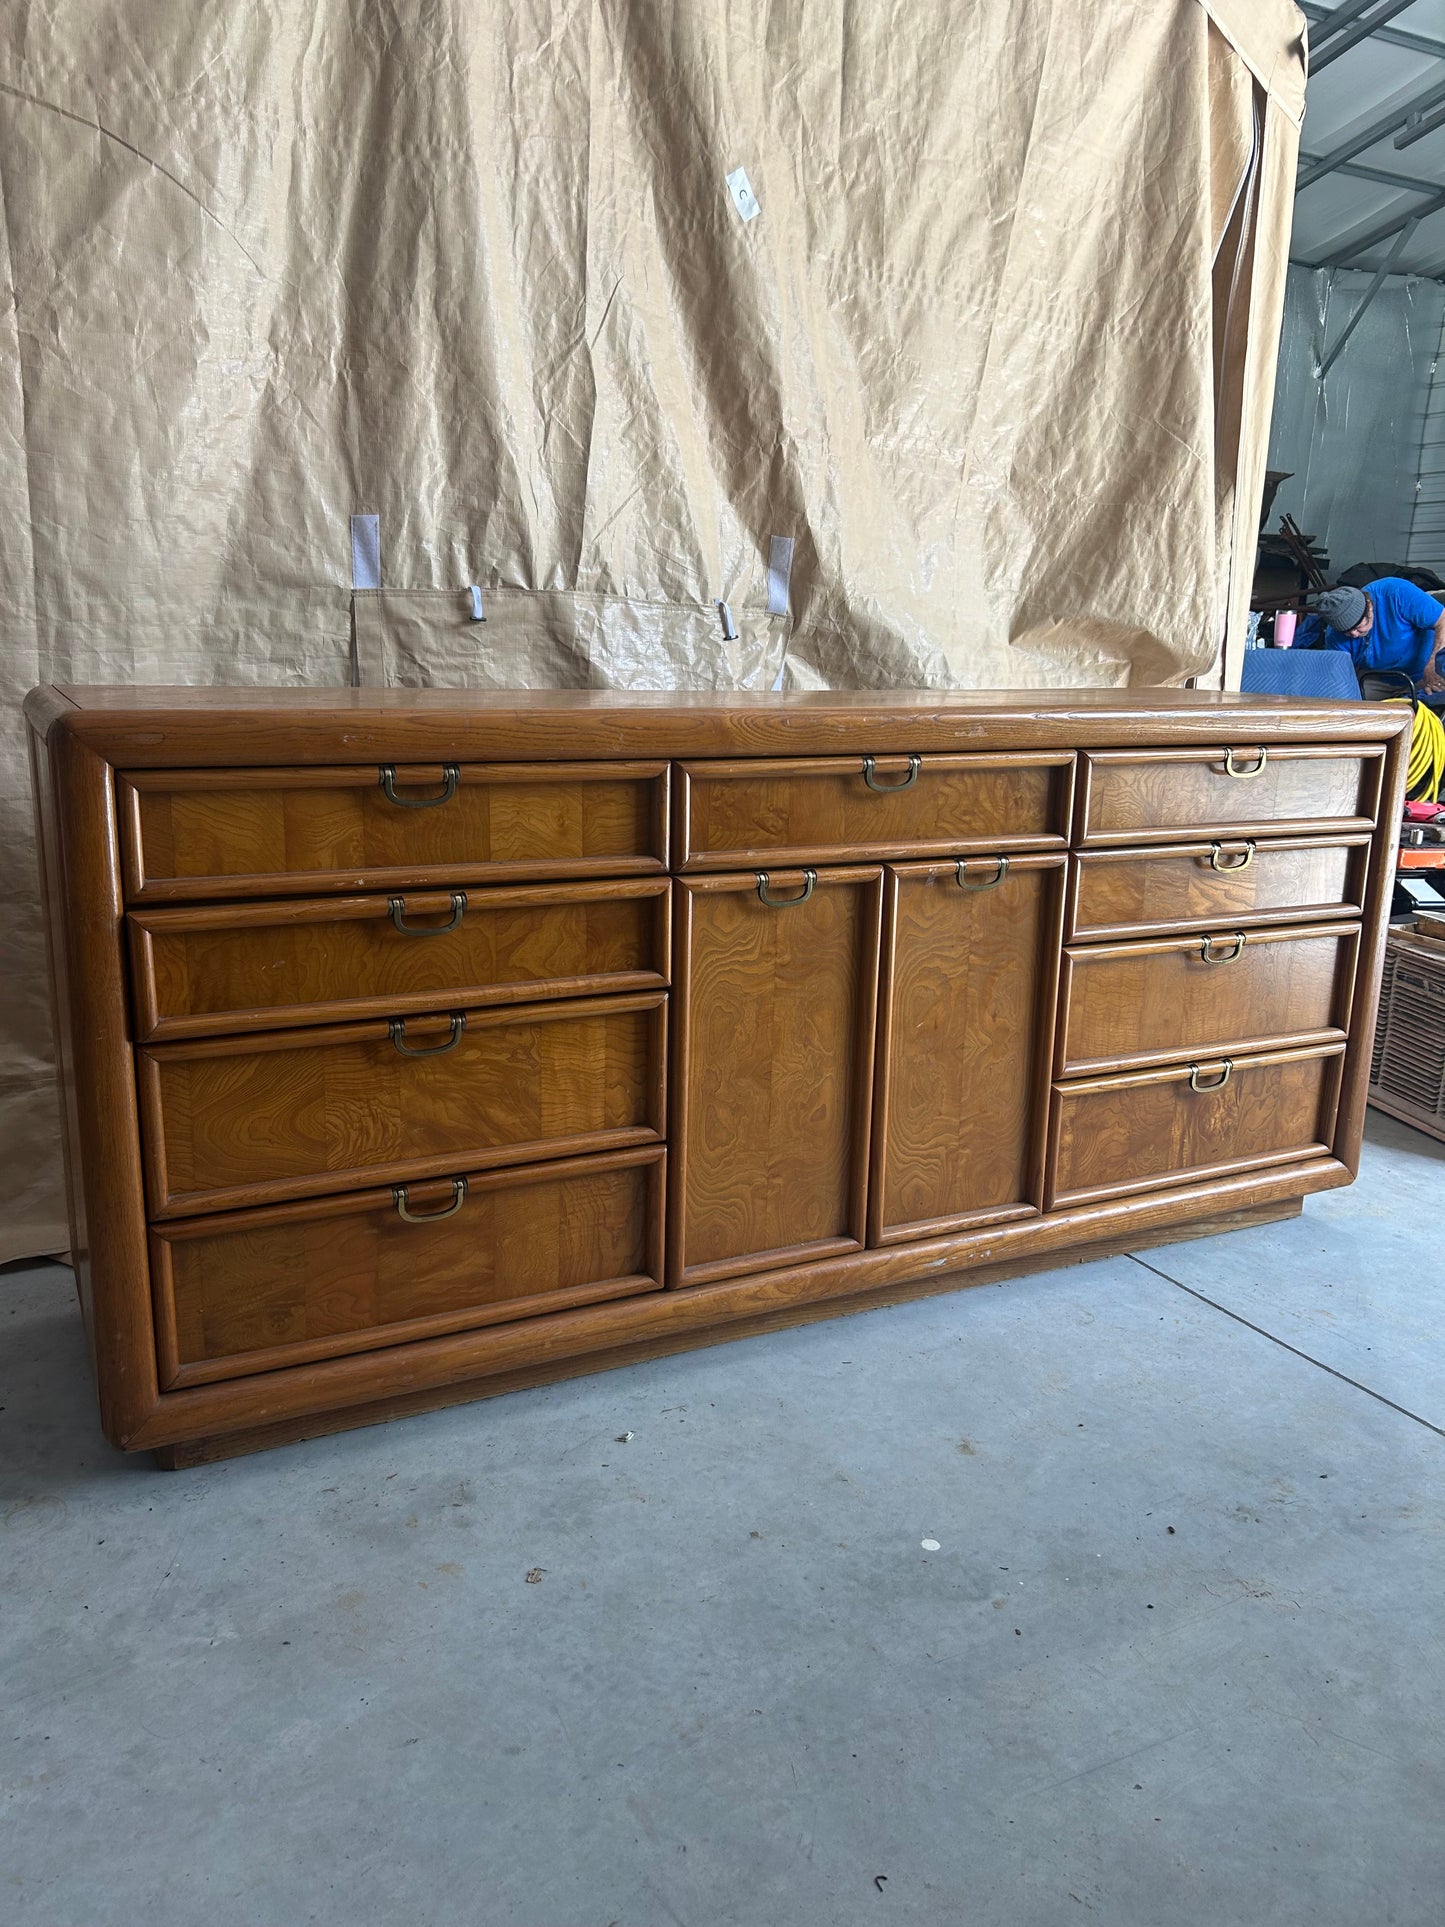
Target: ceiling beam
1339,35
1376,131
1418,126
1335,30
1348,251
1382,177
1335,19
1417,43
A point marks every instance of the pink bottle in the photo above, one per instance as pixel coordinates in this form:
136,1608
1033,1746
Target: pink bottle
1284,624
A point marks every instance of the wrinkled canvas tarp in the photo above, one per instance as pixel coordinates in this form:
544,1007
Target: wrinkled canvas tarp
994,355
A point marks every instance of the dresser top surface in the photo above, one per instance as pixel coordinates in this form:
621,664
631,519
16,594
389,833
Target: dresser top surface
282,725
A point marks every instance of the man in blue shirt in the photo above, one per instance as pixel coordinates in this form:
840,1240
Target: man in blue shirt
1390,625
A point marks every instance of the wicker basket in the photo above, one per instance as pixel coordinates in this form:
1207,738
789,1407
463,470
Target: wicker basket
1407,1067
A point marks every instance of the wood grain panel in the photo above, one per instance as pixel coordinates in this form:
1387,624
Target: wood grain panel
255,1290
1379,891
244,1119
965,1043
80,858
1230,883
232,967
772,1070
1113,1136
1141,1003
1179,795
287,832
183,728
794,811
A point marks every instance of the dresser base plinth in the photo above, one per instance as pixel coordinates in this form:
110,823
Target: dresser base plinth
261,1438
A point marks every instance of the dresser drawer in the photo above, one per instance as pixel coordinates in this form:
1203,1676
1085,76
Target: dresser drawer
255,1290
252,966
1227,883
1247,789
239,1120
1114,1135
1142,1003
837,808
268,832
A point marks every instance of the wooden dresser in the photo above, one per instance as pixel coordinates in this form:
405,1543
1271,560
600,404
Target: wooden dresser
423,1044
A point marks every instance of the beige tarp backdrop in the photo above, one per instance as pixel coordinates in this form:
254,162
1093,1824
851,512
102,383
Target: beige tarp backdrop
993,355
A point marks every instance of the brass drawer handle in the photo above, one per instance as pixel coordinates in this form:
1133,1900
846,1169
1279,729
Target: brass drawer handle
989,883
451,776
810,877
396,1031
1231,769
870,776
1219,1082
397,907
1216,859
1210,955
404,1210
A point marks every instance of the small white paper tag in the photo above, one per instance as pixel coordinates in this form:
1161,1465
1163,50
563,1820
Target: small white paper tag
744,199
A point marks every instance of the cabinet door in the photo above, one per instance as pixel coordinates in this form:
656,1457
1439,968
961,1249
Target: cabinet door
971,966
774,999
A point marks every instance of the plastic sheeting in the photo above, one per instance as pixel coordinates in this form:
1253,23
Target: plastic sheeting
1353,440
993,354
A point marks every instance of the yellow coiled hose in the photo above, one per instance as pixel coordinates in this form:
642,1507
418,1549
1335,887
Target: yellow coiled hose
1426,773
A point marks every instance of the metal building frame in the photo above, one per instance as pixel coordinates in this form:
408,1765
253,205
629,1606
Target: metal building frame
1335,30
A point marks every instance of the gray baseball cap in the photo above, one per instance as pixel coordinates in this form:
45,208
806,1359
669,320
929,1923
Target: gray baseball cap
1341,608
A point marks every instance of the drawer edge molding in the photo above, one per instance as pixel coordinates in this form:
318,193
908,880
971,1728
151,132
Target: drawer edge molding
1093,861
1263,822
692,773
1082,957
1203,1081
473,1186
148,927
168,1202
146,885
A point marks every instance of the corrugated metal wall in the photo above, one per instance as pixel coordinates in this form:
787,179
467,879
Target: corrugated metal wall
1427,531
1353,440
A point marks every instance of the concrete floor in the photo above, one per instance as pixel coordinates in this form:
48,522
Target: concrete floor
1178,1659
